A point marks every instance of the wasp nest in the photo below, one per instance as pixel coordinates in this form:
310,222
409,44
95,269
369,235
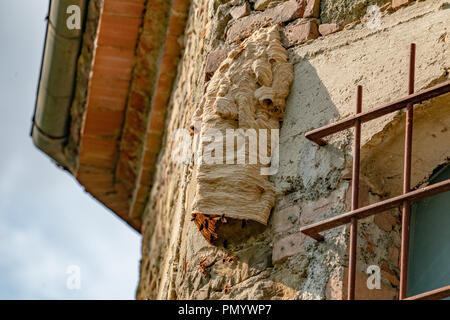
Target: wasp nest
247,94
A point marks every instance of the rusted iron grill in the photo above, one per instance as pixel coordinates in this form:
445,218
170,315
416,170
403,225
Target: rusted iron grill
406,209
418,97
403,200
437,294
355,197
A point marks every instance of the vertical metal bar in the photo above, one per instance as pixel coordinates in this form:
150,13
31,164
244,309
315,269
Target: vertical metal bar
355,199
407,179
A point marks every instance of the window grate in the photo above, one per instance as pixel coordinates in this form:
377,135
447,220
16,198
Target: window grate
403,200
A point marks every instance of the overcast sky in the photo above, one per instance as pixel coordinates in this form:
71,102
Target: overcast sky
47,221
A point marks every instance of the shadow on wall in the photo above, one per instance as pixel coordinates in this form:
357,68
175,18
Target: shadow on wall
304,167
309,177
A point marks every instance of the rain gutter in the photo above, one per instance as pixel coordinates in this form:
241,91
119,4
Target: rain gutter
55,92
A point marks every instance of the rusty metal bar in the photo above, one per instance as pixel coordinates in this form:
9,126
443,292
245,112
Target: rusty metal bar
355,200
404,251
436,294
403,200
313,230
415,98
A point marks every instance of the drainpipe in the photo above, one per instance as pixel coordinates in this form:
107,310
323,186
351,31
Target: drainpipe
62,48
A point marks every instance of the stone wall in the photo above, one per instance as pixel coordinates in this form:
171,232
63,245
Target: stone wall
85,64
277,261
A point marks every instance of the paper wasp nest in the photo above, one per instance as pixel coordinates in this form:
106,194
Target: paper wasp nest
247,92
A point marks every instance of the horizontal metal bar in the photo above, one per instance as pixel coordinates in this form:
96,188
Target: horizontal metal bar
415,98
361,213
437,294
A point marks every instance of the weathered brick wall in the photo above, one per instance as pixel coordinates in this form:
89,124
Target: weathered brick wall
164,214
277,261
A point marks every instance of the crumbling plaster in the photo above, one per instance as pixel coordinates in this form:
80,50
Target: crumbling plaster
377,60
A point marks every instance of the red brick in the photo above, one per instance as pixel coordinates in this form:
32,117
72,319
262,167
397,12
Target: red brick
149,159
171,47
282,220
300,32
156,122
135,120
391,278
370,245
385,220
288,246
287,200
112,85
312,9
153,141
130,142
329,28
165,80
214,60
312,211
126,8
159,104
285,12
363,195
113,71
160,99
113,62
137,101
118,31
103,122
386,292
145,180
103,101
399,3
98,152
117,55
108,93
385,268
125,174
393,256
102,180
141,82
240,11
136,210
